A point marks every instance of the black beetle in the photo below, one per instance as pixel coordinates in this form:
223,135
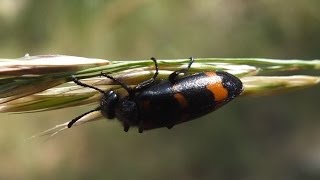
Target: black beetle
165,103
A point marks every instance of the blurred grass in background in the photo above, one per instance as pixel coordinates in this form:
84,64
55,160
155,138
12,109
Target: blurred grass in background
275,137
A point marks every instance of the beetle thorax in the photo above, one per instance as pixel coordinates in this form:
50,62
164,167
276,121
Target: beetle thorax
127,111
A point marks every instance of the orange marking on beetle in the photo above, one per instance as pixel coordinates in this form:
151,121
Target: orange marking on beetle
181,99
220,93
210,73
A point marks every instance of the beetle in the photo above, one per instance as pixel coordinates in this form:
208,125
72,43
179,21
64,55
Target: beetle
165,103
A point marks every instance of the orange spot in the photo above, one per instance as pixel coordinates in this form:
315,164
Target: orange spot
210,73
181,99
220,93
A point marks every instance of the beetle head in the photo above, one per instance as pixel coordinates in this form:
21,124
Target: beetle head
108,104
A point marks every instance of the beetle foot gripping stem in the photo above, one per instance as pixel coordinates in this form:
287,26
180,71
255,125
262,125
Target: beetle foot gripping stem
140,128
126,127
173,76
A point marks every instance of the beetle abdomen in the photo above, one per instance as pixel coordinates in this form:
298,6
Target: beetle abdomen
190,97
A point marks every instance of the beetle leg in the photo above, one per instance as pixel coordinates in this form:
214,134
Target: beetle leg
140,127
148,82
173,76
126,127
169,126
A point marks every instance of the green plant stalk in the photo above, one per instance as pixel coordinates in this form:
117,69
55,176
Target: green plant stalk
38,83
30,83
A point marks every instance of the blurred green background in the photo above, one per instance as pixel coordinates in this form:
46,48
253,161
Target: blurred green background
276,137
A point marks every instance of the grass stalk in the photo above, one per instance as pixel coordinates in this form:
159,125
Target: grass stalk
39,83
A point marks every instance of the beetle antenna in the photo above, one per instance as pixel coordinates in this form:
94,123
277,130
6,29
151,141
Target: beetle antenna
122,84
76,80
79,117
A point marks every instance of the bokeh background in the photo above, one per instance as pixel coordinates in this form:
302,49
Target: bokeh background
275,137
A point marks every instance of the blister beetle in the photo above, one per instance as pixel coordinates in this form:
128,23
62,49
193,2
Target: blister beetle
165,103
